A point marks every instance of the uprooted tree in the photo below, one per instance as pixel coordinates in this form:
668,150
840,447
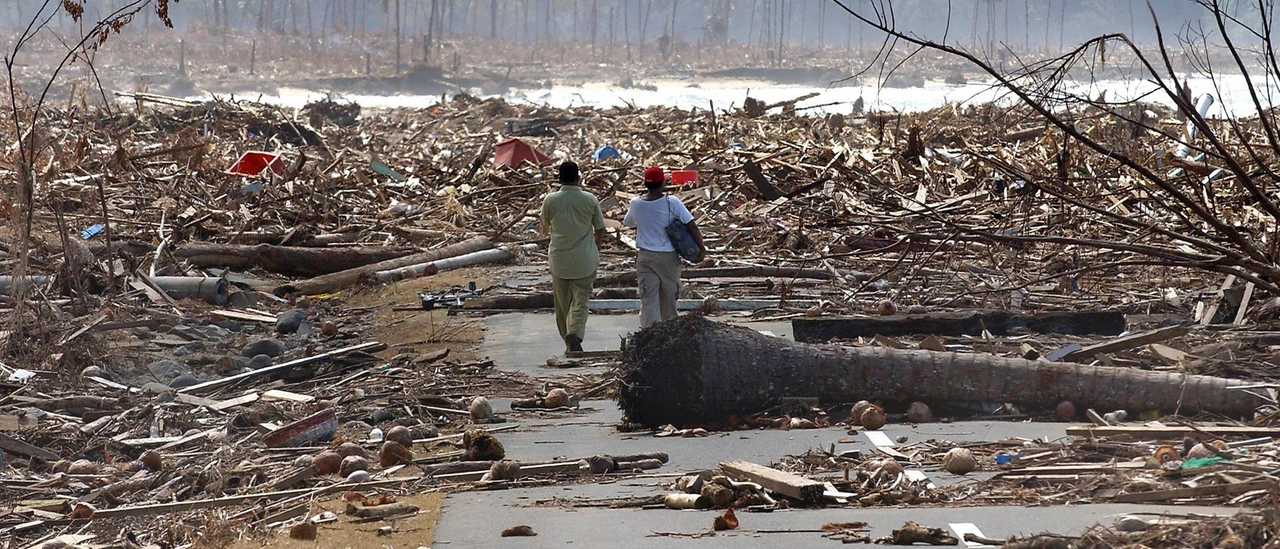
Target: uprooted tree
36,157
1119,178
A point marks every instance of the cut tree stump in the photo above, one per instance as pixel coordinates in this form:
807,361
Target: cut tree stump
692,371
999,323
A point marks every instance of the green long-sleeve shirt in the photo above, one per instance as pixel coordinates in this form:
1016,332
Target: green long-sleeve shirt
573,216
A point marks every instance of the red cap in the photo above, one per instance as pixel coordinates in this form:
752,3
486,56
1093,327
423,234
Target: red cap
654,175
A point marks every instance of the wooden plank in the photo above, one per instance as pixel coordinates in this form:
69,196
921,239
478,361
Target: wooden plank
1170,432
1127,342
280,367
301,475
998,323
787,484
244,315
15,446
1244,304
1217,490
11,422
531,470
241,400
276,394
1168,355
194,400
1212,311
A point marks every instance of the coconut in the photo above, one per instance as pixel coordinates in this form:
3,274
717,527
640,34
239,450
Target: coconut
872,418
481,410
855,417
557,398
919,412
82,467
400,434
813,311
1203,450
152,460
61,466
83,511
394,453
351,464
348,449
505,470
303,531
1066,410
886,308
959,461
327,462
884,468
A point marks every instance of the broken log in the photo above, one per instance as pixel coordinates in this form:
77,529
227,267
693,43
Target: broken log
629,277
481,257
692,371
287,260
999,323
350,277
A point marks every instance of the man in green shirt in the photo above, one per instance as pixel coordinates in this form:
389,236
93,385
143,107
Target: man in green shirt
576,224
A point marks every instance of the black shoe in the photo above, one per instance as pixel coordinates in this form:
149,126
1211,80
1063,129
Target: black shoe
575,343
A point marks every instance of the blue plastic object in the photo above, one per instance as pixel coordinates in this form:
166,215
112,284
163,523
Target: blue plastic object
91,231
607,152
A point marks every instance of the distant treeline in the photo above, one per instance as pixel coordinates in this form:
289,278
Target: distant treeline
984,23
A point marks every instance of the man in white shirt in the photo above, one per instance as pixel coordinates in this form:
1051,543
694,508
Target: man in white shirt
658,263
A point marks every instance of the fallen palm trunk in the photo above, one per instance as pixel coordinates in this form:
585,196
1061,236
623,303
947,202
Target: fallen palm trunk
447,264
629,277
344,279
287,260
694,371
1000,323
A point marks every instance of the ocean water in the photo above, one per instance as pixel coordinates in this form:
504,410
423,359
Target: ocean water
1230,92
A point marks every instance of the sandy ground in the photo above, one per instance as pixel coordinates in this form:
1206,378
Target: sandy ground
408,533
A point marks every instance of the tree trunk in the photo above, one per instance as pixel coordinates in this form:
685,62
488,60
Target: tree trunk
343,279
287,260
999,323
692,371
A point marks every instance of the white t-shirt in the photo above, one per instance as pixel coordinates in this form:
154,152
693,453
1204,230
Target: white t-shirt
650,219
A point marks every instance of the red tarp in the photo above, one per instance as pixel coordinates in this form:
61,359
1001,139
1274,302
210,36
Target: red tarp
513,153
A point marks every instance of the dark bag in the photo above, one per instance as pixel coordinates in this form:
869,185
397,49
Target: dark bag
680,236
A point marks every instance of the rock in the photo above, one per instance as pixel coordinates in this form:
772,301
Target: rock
154,388
424,430
328,328
91,371
167,370
959,461
359,476
269,346
380,415
303,461
289,321
185,380
260,361
351,464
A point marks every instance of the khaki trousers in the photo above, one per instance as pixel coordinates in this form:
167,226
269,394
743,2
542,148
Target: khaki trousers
659,278
572,297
